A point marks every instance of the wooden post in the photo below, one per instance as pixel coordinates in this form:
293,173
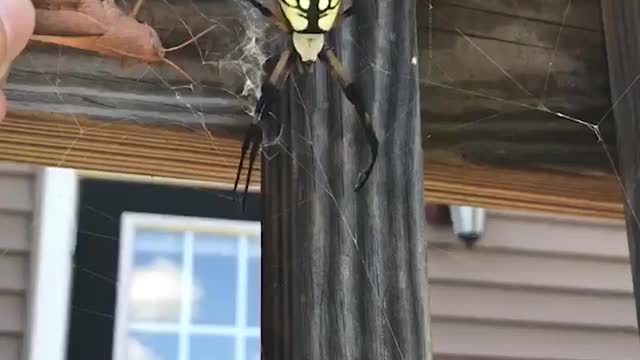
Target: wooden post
621,26
344,273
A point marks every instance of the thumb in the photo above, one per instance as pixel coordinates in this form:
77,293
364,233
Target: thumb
17,21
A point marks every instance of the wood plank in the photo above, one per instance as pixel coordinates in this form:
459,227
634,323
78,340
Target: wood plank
523,146
514,270
184,153
581,15
376,306
491,95
539,191
526,308
73,87
489,341
16,232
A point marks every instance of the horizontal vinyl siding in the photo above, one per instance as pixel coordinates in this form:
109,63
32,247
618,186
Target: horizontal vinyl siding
533,288
17,186
14,273
10,347
552,236
477,302
519,270
12,316
16,193
483,340
15,232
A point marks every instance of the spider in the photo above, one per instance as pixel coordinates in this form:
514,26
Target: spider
308,22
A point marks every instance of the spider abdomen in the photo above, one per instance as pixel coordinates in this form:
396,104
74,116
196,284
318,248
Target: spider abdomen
310,16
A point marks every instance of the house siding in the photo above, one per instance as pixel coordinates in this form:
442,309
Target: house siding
534,287
17,203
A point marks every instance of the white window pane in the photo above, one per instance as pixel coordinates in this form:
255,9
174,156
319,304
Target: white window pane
215,267
205,347
151,347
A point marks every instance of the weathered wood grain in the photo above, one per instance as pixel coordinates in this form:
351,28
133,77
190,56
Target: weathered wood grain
344,273
499,63
472,112
621,22
183,152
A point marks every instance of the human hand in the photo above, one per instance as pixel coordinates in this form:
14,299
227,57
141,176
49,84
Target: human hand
17,22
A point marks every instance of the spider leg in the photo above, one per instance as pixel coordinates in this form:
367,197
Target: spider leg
253,136
268,12
345,14
354,95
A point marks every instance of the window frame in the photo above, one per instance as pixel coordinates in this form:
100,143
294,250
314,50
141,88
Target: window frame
187,227
60,193
51,264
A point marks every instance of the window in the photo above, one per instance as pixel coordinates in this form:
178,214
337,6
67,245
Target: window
164,272
188,288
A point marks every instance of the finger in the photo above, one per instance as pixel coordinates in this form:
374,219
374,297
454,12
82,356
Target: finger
17,18
17,21
4,57
3,106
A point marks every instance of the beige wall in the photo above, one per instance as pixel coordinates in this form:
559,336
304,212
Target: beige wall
533,288
17,203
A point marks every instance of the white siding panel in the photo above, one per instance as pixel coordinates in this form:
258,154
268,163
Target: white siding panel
560,236
13,168
15,232
12,314
543,234
13,273
10,347
477,303
480,341
522,270
17,202
535,287
16,193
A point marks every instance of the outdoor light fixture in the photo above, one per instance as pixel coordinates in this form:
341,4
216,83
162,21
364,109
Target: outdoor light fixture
468,223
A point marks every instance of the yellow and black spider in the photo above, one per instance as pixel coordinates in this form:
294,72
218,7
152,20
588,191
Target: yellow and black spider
308,22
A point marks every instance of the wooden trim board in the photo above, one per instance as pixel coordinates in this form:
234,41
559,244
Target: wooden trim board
192,158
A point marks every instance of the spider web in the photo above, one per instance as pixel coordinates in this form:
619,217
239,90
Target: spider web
237,45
